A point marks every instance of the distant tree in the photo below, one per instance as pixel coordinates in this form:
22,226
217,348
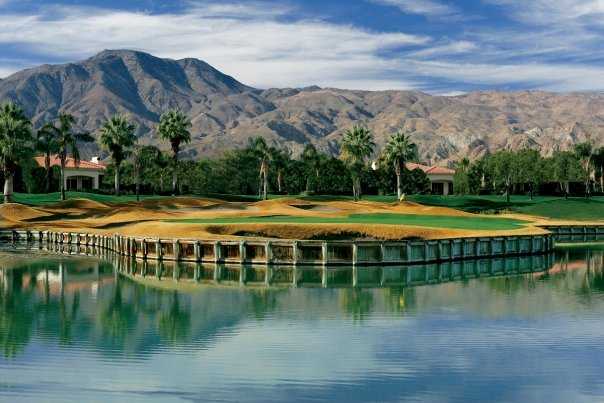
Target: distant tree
530,169
312,161
143,156
174,127
46,143
15,143
357,146
461,180
398,151
566,168
503,166
118,137
263,154
280,161
598,162
584,152
67,143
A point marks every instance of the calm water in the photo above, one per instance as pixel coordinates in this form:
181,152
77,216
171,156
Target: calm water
74,329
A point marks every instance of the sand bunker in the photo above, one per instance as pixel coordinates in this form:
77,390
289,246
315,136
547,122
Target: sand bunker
19,212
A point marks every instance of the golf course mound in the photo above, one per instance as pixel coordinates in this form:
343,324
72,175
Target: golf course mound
79,204
17,212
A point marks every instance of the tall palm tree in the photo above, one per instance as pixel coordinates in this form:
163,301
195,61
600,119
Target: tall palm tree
143,156
67,143
15,139
46,143
264,154
174,127
117,137
357,146
397,152
312,159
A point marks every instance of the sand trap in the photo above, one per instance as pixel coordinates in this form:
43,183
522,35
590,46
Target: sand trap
19,212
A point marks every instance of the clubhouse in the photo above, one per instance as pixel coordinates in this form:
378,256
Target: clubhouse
85,175
441,179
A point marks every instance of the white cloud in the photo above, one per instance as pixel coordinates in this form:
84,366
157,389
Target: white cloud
553,77
545,12
429,8
252,45
456,47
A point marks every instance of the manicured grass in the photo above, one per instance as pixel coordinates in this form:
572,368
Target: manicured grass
576,208
434,221
51,198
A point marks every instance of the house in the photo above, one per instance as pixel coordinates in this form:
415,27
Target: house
85,175
441,179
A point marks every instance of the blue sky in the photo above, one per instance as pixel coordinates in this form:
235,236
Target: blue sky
437,46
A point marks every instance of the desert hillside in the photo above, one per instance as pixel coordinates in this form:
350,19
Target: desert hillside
225,112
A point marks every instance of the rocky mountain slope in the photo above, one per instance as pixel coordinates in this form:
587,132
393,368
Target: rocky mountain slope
225,112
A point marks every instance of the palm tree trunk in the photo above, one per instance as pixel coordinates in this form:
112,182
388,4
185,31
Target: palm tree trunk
138,186
47,167
280,181
174,173
399,187
265,186
63,180
117,180
8,187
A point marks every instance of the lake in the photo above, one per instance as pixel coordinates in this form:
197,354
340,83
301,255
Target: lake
84,328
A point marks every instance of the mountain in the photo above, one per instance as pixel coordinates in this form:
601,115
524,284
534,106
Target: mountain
225,112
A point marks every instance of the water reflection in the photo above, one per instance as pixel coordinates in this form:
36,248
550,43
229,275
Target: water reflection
221,332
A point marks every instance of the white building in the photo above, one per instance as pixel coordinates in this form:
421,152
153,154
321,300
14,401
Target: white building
85,175
441,179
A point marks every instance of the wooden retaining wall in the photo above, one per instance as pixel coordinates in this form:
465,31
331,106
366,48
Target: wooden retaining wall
576,233
296,252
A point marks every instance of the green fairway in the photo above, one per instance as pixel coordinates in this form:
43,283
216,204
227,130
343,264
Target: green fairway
434,221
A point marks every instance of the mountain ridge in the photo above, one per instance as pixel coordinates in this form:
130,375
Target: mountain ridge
226,112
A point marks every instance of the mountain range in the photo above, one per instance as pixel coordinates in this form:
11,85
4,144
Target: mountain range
225,112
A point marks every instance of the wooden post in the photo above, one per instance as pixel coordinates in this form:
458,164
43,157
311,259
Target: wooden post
217,252
324,253
158,250
355,253
268,251
295,253
197,251
176,250
242,251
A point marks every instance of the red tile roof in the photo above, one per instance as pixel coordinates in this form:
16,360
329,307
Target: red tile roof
70,163
430,169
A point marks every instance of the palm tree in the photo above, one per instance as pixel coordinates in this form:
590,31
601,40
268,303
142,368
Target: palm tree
357,145
174,127
398,151
15,138
312,159
143,156
67,143
117,137
584,151
46,143
264,154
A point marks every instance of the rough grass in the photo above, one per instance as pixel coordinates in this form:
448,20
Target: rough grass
434,221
